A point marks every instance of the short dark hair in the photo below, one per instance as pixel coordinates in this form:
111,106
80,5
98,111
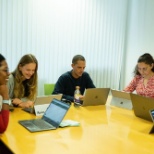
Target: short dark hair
2,58
76,58
145,58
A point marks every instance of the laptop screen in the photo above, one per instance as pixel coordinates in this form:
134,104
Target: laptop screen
55,112
152,114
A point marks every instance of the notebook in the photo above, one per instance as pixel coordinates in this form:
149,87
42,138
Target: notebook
121,99
51,119
142,105
41,103
152,118
95,96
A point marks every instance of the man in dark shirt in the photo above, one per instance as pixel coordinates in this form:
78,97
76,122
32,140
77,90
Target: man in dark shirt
68,81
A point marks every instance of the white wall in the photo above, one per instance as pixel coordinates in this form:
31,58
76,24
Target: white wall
140,35
111,34
55,30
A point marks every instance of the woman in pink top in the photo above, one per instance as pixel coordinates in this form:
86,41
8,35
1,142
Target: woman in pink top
143,81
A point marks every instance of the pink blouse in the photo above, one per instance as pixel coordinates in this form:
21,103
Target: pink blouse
138,84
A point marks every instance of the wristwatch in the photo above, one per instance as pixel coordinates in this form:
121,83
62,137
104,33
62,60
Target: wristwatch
7,101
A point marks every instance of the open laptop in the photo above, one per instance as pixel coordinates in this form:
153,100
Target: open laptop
95,96
142,105
41,103
51,119
152,117
121,99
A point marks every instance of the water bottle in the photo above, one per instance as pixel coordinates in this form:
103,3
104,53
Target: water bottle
77,94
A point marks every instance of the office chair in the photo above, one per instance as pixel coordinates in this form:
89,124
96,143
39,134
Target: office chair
48,88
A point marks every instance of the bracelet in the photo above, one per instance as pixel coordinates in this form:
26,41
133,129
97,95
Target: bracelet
7,101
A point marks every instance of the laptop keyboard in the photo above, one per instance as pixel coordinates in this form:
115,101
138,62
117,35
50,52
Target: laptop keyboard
42,124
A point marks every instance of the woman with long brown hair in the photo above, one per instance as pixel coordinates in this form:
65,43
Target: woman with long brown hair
23,82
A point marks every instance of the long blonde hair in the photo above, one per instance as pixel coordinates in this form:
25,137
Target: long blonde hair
28,86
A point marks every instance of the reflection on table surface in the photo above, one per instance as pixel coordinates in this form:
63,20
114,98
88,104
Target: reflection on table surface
103,129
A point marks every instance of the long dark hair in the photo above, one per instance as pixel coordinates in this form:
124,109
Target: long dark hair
145,58
2,58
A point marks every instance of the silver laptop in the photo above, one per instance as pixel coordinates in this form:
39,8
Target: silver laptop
95,96
121,99
51,119
41,103
142,105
